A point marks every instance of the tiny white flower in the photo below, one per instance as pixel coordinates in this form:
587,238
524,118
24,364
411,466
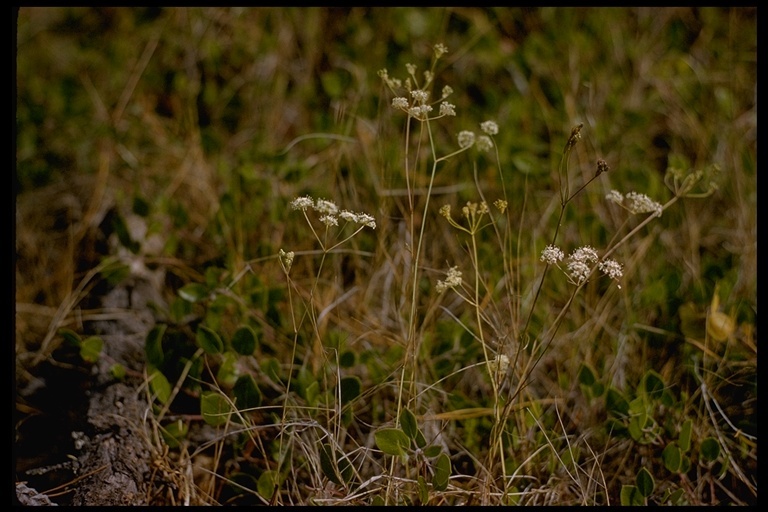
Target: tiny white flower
447,109
329,220
615,196
420,96
611,268
489,127
484,143
327,207
552,254
400,102
366,220
466,139
453,279
302,203
641,203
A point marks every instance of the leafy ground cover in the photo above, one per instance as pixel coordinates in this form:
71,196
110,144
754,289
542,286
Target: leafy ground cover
387,255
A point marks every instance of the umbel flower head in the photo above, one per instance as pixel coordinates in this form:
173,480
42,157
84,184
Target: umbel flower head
581,262
329,212
453,279
635,202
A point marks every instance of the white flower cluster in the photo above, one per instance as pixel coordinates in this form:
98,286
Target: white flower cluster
579,263
489,127
611,268
466,138
499,364
551,255
453,279
330,212
286,260
635,202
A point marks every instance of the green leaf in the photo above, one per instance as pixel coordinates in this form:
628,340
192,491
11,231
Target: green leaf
350,389
244,340
160,386
90,349
423,490
672,457
644,482
709,449
118,371
653,384
271,367
408,423
347,359
174,432
215,408
228,371
674,497
70,337
179,309
153,346
193,292
123,235
432,450
328,463
586,376
209,340
312,393
615,402
140,206
684,440
267,484
442,472
392,441
630,496
246,392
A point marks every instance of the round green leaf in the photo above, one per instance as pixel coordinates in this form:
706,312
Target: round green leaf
653,384
247,393
267,484
432,450
174,432
630,496
423,490
442,472
672,457
684,440
350,389
160,386
153,345
644,482
244,340
408,423
194,292
70,337
615,402
586,376
347,359
118,371
90,349
392,441
209,340
328,463
214,408
709,449
228,371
